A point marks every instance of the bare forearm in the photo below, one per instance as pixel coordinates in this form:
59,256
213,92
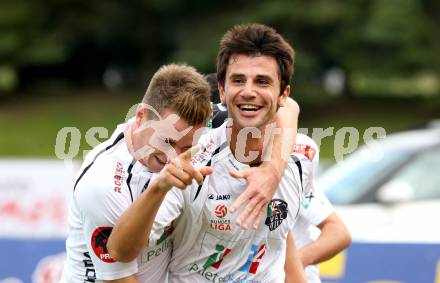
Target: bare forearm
286,122
333,239
132,231
292,266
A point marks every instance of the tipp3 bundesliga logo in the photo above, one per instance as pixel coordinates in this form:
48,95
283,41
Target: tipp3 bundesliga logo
220,224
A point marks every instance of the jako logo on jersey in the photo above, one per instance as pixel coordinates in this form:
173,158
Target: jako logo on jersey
254,259
99,243
220,211
219,197
118,177
276,213
306,150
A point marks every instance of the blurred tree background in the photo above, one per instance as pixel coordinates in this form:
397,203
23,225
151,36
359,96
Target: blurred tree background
84,63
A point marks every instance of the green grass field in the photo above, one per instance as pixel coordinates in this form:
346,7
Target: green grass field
29,126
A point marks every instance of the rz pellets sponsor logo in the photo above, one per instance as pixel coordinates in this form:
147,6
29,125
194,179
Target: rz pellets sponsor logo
276,213
150,254
168,231
208,275
230,279
213,261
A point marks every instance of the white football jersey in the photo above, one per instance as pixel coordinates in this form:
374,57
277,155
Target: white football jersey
208,245
108,182
315,208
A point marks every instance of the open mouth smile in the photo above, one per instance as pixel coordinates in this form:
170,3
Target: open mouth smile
249,107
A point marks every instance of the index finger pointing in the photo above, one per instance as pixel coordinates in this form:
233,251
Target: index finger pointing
187,155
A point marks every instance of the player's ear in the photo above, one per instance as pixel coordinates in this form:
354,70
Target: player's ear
221,92
141,113
283,96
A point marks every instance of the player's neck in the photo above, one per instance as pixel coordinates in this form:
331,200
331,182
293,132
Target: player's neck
128,134
129,139
245,148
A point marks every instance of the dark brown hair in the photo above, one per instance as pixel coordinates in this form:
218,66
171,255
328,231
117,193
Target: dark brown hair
256,39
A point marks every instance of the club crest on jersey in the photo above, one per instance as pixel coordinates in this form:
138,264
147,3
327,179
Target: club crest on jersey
99,243
276,213
306,150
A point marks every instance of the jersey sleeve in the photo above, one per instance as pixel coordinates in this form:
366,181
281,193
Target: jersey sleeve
315,207
170,209
100,206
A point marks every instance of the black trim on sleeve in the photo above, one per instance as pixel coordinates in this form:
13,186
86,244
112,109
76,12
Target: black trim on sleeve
146,185
298,164
118,138
216,151
129,177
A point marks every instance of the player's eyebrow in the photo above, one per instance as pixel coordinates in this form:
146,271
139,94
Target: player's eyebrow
264,77
236,76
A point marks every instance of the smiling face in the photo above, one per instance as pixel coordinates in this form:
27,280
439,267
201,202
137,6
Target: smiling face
252,90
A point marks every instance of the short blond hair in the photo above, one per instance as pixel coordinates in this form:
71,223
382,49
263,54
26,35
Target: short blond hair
180,88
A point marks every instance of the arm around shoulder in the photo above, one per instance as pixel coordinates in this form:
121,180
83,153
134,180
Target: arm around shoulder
333,239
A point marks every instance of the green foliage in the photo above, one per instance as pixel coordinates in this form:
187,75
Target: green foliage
378,40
